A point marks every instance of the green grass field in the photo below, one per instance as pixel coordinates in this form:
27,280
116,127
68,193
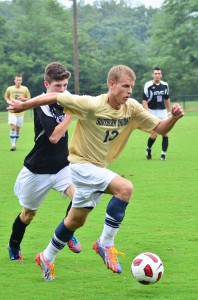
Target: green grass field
161,218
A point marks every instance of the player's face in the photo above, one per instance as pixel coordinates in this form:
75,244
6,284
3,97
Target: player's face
157,75
18,81
56,86
120,91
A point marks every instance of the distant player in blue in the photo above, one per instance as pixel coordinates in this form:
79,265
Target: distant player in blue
157,101
46,167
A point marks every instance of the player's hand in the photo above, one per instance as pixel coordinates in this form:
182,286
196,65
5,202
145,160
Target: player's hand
20,98
169,114
177,111
15,106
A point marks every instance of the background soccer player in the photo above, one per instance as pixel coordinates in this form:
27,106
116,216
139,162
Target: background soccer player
157,101
20,92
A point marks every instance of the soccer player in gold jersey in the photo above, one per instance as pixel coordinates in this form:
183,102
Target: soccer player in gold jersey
104,126
20,92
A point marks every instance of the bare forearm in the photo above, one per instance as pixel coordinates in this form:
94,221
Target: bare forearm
166,125
18,106
44,99
168,105
60,129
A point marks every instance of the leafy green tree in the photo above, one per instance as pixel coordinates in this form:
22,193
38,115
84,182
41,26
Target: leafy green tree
173,45
36,35
110,32
113,34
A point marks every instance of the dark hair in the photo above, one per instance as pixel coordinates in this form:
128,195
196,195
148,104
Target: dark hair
156,69
55,71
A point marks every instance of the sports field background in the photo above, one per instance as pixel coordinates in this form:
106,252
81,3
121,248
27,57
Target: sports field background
161,218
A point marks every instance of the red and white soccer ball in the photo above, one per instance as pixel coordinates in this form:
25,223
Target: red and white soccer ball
147,268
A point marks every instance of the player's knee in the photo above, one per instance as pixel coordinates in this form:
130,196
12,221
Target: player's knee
28,216
125,191
128,189
76,224
154,135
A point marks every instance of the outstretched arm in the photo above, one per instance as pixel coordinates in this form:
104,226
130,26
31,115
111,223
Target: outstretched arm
166,125
19,106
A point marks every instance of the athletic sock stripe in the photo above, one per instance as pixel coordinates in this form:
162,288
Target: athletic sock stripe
112,223
56,244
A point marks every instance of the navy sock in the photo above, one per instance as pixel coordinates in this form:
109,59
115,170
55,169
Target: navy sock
150,142
116,210
18,230
63,233
164,143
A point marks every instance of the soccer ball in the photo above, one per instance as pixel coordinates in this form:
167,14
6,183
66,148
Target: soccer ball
147,268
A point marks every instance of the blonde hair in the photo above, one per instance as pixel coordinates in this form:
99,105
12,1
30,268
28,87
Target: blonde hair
116,72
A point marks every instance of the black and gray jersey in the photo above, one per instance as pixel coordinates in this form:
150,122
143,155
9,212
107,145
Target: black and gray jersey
155,94
46,157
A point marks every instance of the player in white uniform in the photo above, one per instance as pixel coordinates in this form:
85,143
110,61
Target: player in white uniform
157,101
104,125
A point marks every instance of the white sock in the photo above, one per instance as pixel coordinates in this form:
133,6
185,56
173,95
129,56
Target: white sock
108,235
54,247
13,137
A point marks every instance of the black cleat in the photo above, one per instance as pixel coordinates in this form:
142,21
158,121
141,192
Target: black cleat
163,157
148,153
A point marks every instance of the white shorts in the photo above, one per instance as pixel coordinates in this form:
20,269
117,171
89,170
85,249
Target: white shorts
15,120
91,181
159,113
31,189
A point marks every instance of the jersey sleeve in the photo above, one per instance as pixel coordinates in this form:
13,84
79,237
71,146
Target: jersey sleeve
7,94
146,91
144,120
78,106
47,123
27,94
167,93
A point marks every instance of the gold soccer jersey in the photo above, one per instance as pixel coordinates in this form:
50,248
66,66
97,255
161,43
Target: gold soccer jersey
102,132
13,93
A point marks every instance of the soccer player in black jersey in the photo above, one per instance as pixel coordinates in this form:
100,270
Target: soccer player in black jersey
43,169
157,101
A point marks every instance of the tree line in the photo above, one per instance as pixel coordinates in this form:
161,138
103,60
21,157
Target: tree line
110,32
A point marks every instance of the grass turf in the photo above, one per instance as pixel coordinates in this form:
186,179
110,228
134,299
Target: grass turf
161,218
